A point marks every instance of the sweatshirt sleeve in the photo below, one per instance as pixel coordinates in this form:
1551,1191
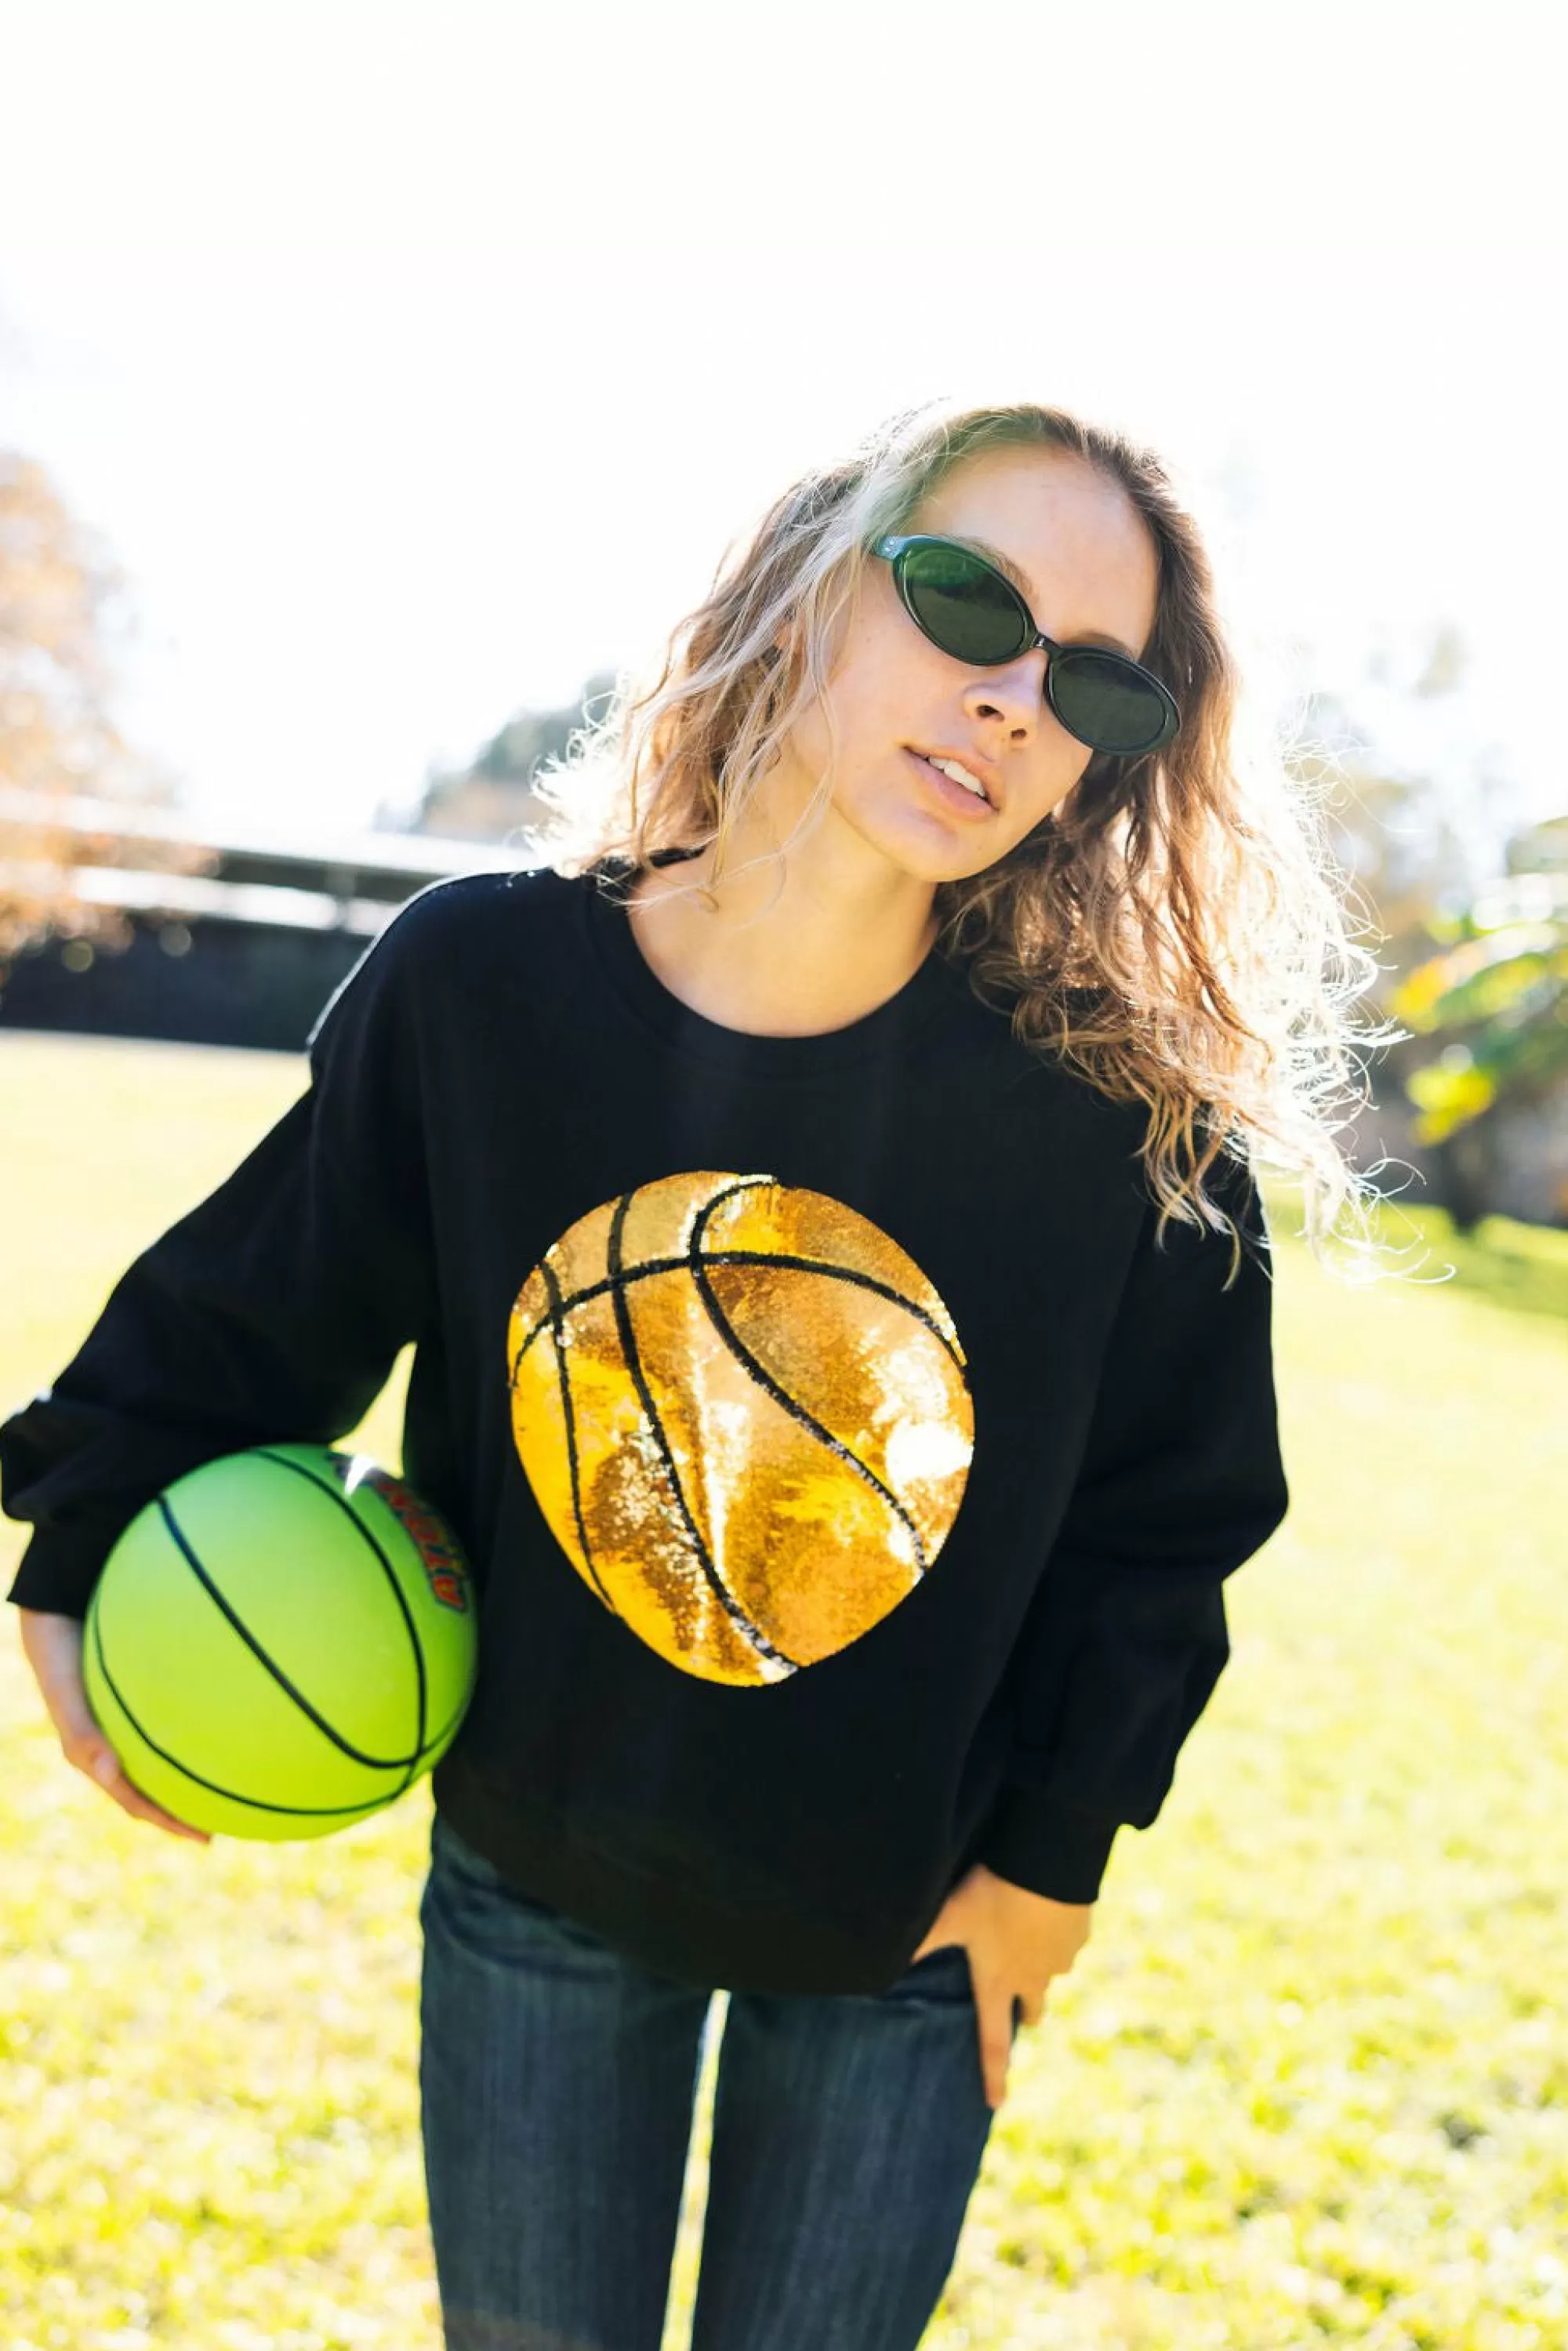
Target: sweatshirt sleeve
1181,1481
275,1309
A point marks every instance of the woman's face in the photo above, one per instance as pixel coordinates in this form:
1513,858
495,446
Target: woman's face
1089,572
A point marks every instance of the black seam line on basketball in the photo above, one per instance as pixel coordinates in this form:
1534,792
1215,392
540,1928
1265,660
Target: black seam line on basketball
254,1803
749,1632
376,1762
331,1488
215,1787
444,1736
558,1324
831,1272
758,1371
761,1257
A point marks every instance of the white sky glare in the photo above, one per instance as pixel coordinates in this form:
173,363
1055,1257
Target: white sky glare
413,361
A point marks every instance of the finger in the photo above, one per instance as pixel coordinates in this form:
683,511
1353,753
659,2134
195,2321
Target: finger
60,1684
142,1808
1032,2006
941,1935
106,1771
993,2015
935,1942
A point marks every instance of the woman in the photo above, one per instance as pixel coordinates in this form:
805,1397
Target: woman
821,1197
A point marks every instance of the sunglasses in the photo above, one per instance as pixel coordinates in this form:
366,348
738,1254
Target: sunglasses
966,606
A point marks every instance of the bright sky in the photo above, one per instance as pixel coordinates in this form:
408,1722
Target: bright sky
414,358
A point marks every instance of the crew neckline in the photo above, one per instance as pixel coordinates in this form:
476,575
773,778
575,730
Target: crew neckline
894,1025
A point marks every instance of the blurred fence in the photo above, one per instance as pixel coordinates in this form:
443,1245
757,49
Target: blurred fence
244,954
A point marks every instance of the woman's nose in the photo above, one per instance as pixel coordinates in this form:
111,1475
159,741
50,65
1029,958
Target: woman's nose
1015,692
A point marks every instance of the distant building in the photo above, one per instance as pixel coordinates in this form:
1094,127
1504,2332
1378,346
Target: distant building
246,954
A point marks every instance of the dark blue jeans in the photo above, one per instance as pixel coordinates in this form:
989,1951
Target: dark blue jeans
557,2082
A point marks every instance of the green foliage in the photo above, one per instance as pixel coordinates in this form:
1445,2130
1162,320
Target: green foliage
1498,991
1306,2086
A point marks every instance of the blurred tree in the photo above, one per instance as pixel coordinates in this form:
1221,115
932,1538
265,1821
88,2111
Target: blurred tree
493,796
1496,998
1392,832
1411,809
1392,819
1443,671
57,742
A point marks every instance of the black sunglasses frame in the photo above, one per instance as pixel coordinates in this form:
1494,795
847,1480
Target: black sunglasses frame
896,551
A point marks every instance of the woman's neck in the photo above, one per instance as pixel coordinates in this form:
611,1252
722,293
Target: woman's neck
785,951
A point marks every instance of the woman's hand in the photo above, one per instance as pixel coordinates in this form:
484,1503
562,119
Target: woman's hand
1017,1941
53,1647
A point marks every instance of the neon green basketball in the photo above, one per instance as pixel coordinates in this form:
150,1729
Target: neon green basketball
281,1642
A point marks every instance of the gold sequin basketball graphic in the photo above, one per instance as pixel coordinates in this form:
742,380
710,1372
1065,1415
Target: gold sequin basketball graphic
744,1412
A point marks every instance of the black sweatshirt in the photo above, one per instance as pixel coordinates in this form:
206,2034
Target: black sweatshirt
848,1479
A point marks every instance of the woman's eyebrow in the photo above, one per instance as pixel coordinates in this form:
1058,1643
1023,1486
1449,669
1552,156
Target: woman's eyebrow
1010,570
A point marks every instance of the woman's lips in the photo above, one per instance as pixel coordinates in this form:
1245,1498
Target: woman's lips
956,796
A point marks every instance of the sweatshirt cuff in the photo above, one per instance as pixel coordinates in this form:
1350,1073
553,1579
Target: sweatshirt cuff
61,1565
1048,1847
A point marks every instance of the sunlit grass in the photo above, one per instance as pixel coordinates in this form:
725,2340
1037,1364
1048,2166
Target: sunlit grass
1307,2086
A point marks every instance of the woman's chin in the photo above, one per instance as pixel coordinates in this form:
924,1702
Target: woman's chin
928,849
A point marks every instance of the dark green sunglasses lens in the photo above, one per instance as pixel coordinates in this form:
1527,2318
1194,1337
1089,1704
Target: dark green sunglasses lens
962,605
972,614
1101,700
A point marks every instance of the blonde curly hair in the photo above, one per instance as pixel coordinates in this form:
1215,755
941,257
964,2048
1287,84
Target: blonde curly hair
1175,929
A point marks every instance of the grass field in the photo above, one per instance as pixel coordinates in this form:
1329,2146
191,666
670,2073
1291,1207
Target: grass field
1307,2085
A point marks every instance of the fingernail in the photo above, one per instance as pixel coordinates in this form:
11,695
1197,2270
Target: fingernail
105,1769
